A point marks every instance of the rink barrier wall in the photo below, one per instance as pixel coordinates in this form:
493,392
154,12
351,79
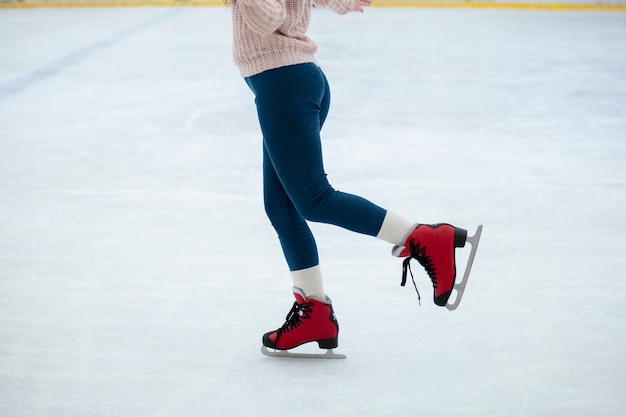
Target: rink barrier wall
619,5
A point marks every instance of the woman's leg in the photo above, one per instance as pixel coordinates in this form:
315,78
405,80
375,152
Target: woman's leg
289,103
292,103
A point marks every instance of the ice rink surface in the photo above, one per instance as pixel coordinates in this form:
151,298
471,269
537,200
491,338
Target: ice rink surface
138,271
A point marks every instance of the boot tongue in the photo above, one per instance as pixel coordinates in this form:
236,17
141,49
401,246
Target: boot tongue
299,294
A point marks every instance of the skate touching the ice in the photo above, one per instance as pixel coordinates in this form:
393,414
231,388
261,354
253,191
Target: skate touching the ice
277,61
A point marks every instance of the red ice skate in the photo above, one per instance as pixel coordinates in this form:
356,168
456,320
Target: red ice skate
309,320
433,246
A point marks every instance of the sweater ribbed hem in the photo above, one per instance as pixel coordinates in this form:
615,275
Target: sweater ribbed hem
269,61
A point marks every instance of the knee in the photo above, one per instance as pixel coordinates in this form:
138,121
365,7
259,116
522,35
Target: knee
275,213
284,218
312,207
308,203
308,212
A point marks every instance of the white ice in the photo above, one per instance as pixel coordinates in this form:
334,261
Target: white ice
138,271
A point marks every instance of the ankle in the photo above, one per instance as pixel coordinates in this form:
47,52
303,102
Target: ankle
309,282
395,229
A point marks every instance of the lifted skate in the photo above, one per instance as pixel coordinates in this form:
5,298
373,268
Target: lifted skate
460,286
330,354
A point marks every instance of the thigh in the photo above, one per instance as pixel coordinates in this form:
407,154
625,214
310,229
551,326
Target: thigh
289,104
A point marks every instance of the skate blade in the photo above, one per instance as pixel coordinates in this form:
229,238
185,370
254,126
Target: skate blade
460,286
329,354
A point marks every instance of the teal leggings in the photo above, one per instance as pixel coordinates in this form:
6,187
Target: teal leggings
292,103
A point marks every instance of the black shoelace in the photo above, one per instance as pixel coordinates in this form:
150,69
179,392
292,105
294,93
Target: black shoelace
295,316
418,252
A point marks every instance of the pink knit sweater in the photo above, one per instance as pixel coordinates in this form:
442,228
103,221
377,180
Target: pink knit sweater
269,34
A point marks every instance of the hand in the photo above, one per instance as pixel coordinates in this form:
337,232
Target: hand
360,4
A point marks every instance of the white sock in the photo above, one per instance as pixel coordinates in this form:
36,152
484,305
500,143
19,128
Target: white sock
309,280
395,229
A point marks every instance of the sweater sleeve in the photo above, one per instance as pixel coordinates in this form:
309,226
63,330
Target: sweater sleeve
338,6
263,16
